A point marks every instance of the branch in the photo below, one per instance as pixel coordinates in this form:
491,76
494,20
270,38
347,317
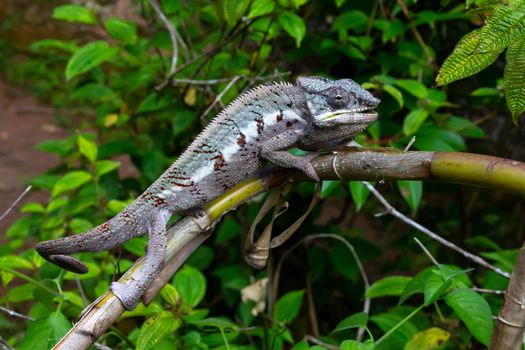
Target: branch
360,164
16,201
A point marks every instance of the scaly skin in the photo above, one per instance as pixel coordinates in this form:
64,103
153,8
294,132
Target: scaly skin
260,125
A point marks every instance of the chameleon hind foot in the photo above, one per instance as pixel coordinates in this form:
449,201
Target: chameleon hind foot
128,294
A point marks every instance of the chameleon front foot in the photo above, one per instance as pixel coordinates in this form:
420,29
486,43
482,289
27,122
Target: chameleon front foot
128,294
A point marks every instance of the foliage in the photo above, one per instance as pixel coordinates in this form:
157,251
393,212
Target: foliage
109,85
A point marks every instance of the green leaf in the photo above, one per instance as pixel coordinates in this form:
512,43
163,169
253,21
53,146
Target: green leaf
474,311
191,285
32,207
288,306
431,138
350,20
45,332
429,339
388,286
395,93
79,225
261,8
505,26
412,191
466,59
169,294
46,44
413,87
464,127
355,345
293,25
15,262
435,286
358,320
415,285
233,10
74,13
485,92
155,328
414,120
70,181
359,193
87,148
89,57
105,166
123,31
514,78
302,345
339,3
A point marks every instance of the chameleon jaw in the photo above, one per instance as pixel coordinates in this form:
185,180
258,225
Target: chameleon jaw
363,115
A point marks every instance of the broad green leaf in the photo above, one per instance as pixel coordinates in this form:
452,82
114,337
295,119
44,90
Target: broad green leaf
45,332
355,345
388,286
464,127
302,345
350,20
261,8
395,93
412,191
15,262
359,193
78,225
46,44
414,120
386,321
358,320
505,26
466,59
105,166
233,10
435,286
169,294
88,57
293,25
485,92
474,311
413,87
288,306
74,13
416,284
191,285
429,339
87,148
123,31
514,77
32,207
70,181
155,328
432,138
339,3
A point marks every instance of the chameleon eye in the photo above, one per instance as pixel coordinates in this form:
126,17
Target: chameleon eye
338,97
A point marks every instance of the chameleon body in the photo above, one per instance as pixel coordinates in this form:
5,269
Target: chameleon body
260,125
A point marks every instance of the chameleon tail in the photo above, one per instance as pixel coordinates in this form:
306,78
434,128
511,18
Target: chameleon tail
108,235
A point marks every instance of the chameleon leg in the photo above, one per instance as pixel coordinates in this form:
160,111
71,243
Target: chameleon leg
274,150
130,292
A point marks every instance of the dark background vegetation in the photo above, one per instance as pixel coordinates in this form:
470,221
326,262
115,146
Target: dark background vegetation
118,124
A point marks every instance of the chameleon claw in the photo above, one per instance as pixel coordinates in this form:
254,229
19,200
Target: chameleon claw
69,263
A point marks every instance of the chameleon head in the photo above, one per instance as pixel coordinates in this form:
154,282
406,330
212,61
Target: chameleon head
336,102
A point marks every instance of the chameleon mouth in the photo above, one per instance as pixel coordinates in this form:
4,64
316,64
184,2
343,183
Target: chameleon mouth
351,116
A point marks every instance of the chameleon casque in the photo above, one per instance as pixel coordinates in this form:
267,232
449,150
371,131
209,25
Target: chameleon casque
260,125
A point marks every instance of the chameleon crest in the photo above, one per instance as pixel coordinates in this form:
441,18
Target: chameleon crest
259,126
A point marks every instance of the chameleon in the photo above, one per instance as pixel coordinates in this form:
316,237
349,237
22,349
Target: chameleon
259,126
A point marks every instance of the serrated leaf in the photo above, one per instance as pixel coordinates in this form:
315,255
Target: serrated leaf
70,181
414,120
293,25
74,13
474,311
288,306
388,286
155,328
105,166
123,31
505,26
395,93
359,193
466,59
514,77
412,191
261,8
87,148
89,57
429,339
191,285
358,320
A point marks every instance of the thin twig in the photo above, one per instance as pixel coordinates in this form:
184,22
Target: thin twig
219,97
434,261
175,38
16,314
314,340
224,80
17,200
488,291
392,211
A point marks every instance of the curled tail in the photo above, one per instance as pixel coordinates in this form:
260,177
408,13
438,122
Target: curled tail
111,234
